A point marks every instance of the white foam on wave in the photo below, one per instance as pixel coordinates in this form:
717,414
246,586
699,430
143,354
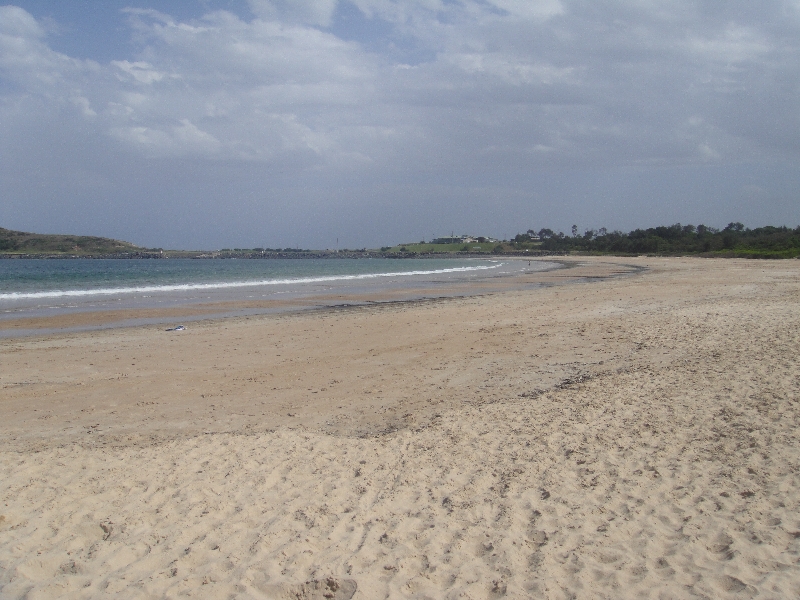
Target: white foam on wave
180,287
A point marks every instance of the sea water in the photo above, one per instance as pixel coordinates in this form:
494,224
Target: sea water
53,279
34,287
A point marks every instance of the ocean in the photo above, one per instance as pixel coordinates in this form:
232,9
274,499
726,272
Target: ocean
48,287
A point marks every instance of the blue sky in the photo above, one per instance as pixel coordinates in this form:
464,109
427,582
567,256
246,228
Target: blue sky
241,123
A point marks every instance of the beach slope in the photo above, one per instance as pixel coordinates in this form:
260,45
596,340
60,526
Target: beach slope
628,430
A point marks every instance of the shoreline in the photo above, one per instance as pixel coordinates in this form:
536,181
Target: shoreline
344,308
92,318
633,434
303,254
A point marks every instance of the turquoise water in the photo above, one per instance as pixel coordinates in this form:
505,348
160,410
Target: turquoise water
54,279
31,288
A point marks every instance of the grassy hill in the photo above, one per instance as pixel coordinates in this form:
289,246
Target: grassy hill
20,242
494,247
423,248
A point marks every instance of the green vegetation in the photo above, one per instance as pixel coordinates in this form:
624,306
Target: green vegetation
20,242
259,250
522,243
735,240
423,248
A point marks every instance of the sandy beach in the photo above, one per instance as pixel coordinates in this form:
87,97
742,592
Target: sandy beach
627,430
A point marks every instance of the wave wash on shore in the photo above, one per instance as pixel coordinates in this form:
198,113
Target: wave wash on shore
234,284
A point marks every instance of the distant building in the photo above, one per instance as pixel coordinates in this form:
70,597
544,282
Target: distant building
459,239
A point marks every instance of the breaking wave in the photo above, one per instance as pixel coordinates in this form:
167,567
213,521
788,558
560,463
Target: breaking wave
148,289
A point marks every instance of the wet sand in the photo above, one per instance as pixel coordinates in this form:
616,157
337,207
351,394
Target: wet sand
39,316
626,430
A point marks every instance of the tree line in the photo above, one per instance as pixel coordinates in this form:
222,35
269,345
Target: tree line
733,240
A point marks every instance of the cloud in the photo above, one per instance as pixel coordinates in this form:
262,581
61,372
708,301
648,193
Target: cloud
432,91
182,139
140,71
19,24
25,58
530,9
506,78
311,12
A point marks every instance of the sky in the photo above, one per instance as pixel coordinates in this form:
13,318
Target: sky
204,124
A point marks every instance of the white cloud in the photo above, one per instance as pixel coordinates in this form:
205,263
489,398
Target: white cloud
463,90
733,44
706,152
530,9
177,140
25,56
312,12
84,105
511,69
621,80
141,71
189,136
18,23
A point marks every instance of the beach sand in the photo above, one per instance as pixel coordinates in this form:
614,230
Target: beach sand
630,430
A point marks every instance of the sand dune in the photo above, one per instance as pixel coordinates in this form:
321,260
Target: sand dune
619,438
